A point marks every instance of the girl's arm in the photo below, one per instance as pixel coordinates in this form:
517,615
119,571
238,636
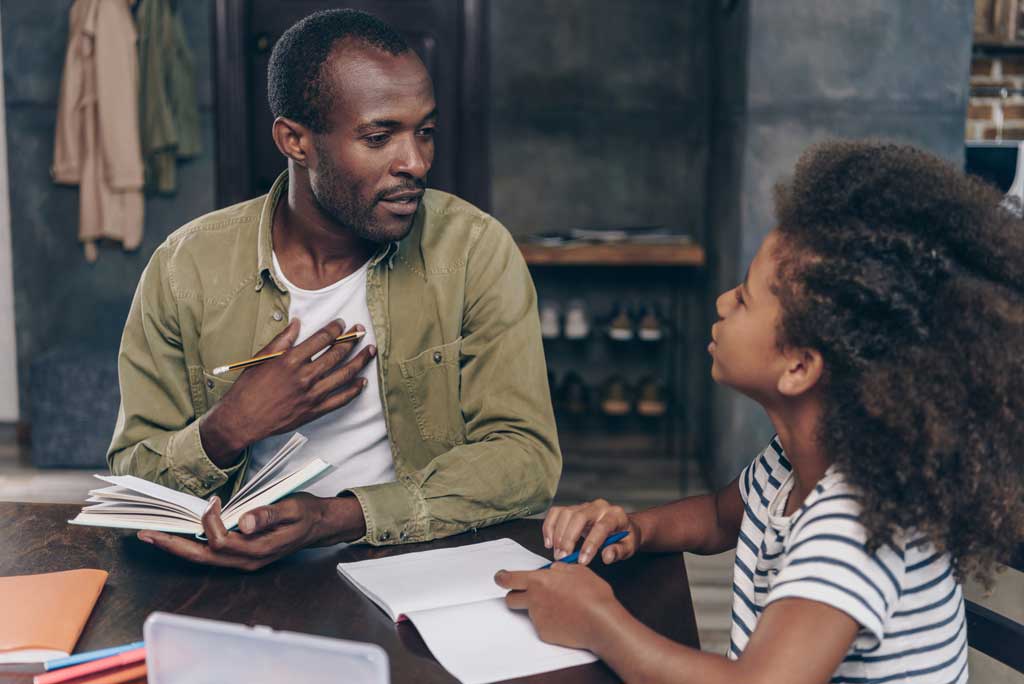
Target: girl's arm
796,641
702,524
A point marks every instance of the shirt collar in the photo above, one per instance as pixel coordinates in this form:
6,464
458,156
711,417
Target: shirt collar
265,247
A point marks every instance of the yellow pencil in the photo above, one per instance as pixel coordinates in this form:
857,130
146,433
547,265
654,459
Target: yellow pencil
240,365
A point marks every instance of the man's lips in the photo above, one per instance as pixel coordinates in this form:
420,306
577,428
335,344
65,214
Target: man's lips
402,203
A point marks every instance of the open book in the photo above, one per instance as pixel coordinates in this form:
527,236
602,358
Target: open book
451,597
139,504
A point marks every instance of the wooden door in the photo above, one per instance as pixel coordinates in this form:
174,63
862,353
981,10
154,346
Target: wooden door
448,35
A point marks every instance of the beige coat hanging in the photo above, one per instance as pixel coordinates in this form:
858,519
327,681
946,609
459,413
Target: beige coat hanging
97,140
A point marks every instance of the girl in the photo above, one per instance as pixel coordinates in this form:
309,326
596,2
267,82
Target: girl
881,327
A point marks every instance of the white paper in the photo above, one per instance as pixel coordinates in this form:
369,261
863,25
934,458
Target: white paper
441,577
452,599
487,642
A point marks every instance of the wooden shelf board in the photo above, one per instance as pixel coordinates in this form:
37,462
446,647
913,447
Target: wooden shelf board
614,254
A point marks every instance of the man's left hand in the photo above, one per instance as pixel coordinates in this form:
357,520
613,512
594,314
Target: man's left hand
264,534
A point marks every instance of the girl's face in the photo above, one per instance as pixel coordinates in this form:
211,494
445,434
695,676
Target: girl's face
743,346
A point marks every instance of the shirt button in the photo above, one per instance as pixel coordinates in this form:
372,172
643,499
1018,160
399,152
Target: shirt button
384,536
209,384
437,357
404,535
277,315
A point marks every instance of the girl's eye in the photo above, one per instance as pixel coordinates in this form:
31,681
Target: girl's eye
739,296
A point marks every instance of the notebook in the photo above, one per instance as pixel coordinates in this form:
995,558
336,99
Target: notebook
451,598
138,504
43,615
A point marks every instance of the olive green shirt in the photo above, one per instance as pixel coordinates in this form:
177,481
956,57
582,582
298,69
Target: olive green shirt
461,367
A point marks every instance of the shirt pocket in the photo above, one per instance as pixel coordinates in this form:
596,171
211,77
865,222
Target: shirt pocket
431,380
214,387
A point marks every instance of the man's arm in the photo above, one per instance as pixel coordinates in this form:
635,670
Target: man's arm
510,464
157,435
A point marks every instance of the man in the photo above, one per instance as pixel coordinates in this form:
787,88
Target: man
438,422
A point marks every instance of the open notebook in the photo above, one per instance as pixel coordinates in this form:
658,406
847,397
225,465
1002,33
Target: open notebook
451,597
139,504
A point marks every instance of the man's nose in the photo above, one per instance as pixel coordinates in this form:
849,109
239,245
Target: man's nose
412,160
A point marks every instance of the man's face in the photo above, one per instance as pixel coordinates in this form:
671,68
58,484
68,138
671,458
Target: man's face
743,345
371,167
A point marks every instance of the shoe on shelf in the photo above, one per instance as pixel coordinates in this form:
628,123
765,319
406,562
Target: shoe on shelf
573,395
651,328
577,322
616,397
550,327
620,328
651,398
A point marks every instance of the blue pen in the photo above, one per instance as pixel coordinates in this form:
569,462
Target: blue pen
575,555
90,655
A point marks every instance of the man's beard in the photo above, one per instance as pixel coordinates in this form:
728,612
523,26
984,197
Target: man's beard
338,198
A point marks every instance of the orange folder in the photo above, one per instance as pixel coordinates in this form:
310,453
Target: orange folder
46,612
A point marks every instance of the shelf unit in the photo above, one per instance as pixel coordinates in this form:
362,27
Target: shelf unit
672,272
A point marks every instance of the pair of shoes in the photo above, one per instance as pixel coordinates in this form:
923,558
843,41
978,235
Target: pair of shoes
648,398
577,322
573,396
646,326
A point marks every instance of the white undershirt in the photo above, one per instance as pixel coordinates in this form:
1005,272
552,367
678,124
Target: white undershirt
353,438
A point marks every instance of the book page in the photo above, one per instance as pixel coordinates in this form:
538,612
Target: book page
190,503
487,642
440,577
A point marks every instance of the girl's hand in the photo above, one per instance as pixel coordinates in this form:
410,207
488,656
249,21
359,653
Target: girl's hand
564,525
568,604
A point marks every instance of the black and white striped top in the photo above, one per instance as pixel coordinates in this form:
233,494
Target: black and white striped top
909,607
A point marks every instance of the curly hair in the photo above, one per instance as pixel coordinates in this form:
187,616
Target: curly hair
908,277
296,83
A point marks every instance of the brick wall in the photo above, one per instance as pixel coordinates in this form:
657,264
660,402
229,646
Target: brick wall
995,110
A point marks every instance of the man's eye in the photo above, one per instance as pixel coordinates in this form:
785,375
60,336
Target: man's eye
427,132
377,139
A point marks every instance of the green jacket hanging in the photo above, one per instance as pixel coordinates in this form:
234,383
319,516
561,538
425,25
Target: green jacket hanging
168,109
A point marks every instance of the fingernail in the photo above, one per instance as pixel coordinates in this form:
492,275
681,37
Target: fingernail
246,524
365,382
372,350
584,557
144,537
547,543
360,328
213,500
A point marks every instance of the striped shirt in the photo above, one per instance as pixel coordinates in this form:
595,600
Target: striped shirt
909,607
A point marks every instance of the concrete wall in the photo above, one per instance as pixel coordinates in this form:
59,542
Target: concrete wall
58,297
8,360
598,113
870,68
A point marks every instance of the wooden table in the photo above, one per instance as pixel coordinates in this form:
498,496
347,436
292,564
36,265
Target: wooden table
302,593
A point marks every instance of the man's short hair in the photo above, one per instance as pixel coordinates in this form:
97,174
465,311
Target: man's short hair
297,87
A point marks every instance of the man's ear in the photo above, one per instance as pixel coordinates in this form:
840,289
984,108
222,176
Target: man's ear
294,140
804,368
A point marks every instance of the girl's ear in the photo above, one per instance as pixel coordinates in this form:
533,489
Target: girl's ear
804,368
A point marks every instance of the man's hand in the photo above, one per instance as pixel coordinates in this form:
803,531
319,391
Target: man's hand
284,393
568,604
268,532
598,519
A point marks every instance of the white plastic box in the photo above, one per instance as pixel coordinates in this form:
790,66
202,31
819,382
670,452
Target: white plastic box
189,650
